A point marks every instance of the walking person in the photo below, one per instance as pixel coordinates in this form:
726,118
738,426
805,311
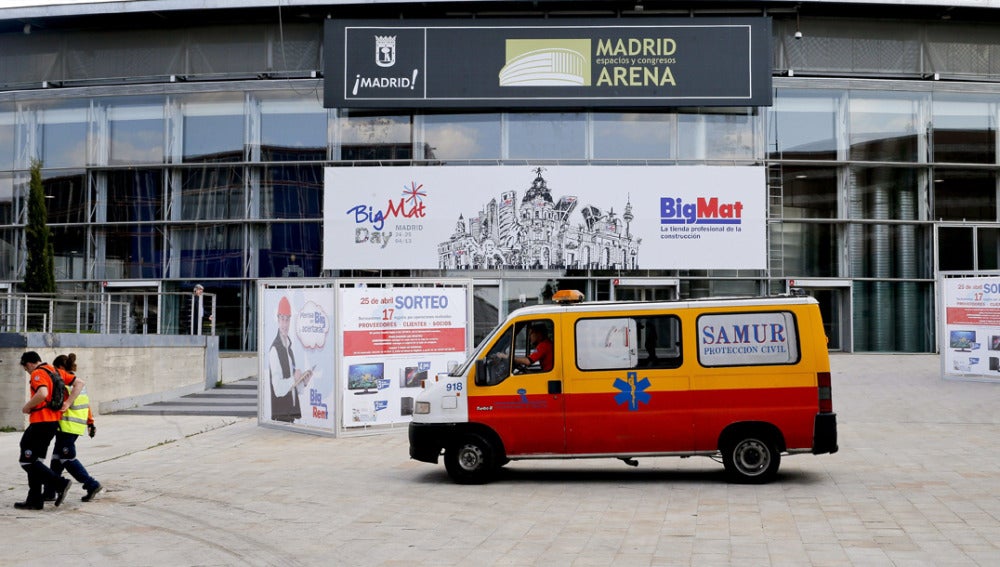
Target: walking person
76,420
43,423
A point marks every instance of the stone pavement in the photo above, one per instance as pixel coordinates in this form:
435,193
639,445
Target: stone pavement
916,482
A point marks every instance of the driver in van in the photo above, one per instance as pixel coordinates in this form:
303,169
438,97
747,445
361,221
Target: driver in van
543,353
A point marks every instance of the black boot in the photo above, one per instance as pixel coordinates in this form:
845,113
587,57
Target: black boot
29,505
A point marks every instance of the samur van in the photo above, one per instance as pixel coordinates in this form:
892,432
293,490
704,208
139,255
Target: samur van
747,380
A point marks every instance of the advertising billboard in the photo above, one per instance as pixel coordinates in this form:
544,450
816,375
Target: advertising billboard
559,217
298,354
970,336
395,339
539,63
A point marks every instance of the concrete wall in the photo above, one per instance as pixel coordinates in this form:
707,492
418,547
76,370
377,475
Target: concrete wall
235,366
121,371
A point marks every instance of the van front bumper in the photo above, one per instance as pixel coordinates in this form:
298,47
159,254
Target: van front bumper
427,440
825,434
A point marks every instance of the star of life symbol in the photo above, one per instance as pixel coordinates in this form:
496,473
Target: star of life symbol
633,391
385,50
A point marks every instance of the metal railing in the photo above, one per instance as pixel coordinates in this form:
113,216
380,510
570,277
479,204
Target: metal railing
119,312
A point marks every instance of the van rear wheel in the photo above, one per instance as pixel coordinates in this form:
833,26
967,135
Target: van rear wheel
751,460
472,460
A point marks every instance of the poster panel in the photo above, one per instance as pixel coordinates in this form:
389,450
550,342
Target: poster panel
559,217
297,349
394,338
970,341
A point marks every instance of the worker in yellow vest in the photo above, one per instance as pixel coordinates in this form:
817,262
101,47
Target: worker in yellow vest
77,419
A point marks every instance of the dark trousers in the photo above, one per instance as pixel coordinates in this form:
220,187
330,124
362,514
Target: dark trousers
34,446
64,457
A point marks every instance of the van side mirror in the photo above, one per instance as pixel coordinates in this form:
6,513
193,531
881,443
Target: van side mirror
482,373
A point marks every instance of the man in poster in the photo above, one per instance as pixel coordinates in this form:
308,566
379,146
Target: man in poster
287,381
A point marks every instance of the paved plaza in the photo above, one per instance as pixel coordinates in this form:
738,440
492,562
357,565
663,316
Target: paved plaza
916,482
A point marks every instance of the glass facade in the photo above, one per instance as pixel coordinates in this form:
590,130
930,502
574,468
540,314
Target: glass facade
874,186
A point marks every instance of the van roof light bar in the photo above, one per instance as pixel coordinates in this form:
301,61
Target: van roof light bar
567,296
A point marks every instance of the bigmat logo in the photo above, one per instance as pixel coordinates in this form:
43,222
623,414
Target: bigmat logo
673,210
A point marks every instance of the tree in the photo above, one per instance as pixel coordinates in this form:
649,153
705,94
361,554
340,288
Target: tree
39,273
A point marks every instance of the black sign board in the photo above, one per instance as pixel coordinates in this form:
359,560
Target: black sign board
538,63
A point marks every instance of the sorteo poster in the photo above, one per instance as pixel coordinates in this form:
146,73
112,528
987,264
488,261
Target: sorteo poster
970,341
297,351
560,217
395,338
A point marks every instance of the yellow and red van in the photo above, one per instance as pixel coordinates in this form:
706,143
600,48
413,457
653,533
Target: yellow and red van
745,378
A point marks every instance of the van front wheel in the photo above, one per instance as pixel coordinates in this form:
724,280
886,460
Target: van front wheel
751,461
471,461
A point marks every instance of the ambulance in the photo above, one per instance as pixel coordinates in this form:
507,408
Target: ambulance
742,380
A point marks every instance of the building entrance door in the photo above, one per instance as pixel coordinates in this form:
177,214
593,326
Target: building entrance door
644,289
834,298
143,301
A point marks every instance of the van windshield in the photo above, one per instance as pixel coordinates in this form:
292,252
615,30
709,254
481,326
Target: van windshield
463,369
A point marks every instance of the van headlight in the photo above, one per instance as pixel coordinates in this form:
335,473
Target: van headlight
422,407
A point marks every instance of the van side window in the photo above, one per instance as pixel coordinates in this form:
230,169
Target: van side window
660,337
617,343
746,339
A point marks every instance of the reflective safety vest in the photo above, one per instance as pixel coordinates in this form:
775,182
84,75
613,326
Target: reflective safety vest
74,419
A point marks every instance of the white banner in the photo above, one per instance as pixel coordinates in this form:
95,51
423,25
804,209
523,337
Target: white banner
394,338
560,217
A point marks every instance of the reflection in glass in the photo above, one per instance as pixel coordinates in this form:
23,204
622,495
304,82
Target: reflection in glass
485,311
723,135
890,250
136,128
375,137
8,212
133,252
521,293
883,193
554,135
462,136
292,129
963,130
289,250
730,135
69,244
212,193
893,316
8,132
213,132
214,251
135,195
633,136
806,249
883,127
803,125
66,198
292,192
64,143
8,253
809,192
965,195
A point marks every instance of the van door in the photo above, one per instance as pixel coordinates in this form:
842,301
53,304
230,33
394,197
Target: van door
517,389
626,386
